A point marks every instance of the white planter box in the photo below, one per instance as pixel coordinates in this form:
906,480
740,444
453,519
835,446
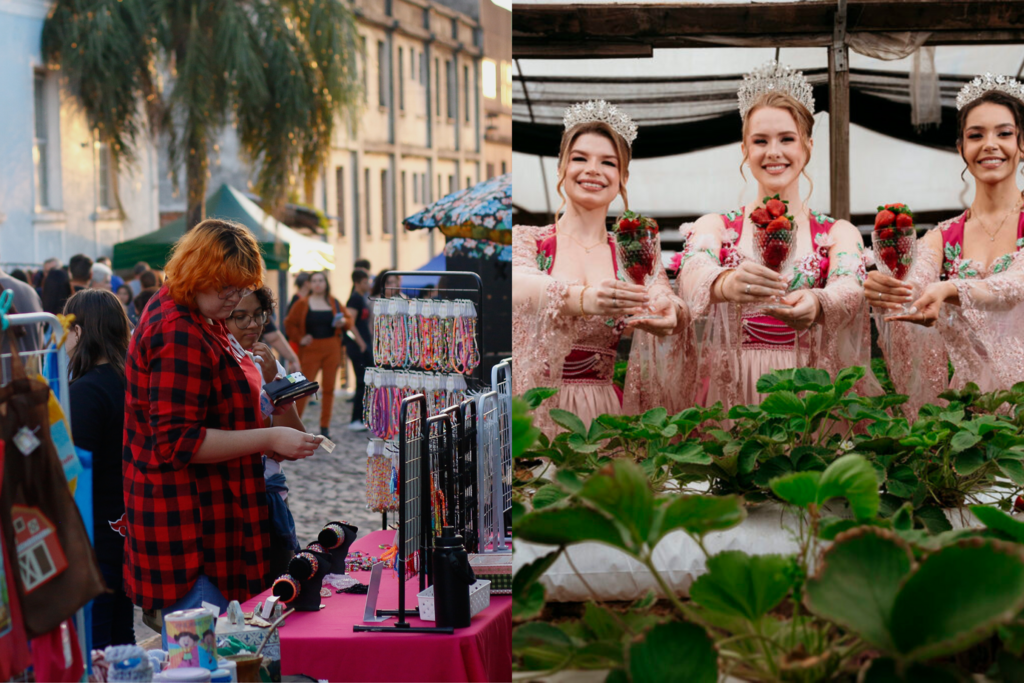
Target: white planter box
479,599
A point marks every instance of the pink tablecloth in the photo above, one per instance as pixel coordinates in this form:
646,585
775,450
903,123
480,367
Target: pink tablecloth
323,645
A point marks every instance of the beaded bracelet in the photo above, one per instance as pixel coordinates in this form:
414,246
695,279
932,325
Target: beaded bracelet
309,557
281,584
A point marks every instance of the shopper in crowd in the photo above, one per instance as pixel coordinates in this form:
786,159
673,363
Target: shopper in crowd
246,324
80,269
360,344
150,280
115,279
386,287
19,274
301,290
97,344
124,295
194,492
40,275
363,264
317,322
101,277
56,290
141,301
140,268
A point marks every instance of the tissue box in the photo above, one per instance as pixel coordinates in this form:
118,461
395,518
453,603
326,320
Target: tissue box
479,599
251,636
496,568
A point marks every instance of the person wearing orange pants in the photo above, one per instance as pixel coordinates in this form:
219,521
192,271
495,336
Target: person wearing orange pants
317,322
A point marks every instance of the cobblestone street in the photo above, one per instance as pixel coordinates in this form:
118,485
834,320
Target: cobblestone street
324,487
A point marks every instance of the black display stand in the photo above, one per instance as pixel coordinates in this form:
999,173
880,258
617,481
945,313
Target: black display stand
413,512
464,510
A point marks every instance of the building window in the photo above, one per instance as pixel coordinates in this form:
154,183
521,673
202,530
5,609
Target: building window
490,170
40,148
401,80
455,28
104,177
405,211
382,74
490,79
465,89
366,189
339,176
451,184
385,222
439,185
504,169
506,87
412,63
425,192
469,182
365,69
437,83
453,89
423,74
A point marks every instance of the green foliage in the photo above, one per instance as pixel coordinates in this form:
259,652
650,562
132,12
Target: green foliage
896,579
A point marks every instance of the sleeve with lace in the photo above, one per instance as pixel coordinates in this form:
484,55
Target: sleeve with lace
542,336
914,355
1003,291
700,268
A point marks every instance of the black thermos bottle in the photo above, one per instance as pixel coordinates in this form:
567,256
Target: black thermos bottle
452,578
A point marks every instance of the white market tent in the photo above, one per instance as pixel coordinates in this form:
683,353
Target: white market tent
683,86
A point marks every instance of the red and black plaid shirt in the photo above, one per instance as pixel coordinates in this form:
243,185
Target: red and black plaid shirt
189,519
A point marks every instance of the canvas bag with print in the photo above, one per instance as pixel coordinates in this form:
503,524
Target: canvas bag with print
42,528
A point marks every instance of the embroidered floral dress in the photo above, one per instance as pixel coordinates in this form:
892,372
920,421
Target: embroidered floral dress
983,337
738,343
575,354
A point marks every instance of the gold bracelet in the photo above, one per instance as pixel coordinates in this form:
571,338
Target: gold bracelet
582,292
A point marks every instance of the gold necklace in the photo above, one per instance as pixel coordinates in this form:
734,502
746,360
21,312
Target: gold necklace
992,235
585,248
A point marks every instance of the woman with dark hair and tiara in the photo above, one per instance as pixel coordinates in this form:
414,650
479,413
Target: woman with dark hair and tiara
819,318
967,279
568,307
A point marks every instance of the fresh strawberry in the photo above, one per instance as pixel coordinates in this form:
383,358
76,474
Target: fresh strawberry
889,257
884,218
775,207
638,271
1018,504
626,226
780,223
903,221
775,253
760,216
886,234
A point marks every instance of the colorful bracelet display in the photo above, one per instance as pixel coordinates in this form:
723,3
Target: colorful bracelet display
386,389
434,335
381,476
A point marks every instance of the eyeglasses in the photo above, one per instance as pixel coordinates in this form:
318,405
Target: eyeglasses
232,292
243,320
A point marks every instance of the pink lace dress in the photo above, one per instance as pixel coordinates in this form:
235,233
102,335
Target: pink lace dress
575,354
738,343
983,337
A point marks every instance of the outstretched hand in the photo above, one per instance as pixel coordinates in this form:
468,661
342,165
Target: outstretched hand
664,324
803,312
928,305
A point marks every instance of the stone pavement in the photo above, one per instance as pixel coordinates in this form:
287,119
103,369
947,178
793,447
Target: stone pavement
324,487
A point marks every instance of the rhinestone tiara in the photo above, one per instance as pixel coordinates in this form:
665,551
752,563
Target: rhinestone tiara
599,110
982,84
774,77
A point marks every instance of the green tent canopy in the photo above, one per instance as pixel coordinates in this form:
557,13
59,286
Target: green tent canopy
283,248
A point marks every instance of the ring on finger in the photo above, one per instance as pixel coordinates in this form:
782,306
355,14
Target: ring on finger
747,290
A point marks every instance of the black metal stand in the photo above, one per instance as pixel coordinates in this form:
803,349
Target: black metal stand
413,512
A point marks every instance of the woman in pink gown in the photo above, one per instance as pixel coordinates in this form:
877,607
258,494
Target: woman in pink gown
967,279
825,324
568,305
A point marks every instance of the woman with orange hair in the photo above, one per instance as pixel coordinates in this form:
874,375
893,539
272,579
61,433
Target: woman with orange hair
195,500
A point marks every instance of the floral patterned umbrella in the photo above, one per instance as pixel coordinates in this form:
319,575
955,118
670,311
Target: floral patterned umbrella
481,212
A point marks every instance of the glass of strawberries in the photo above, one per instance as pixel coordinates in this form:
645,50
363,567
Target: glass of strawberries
894,241
774,238
638,252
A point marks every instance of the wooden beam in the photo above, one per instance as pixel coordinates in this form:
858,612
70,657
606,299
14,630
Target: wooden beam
839,132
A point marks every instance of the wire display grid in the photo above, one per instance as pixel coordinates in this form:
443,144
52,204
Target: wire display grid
464,418
488,469
501,382
411,480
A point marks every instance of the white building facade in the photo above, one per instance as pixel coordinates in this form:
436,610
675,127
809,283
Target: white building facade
59,194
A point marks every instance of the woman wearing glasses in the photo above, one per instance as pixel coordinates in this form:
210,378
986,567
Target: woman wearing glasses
246,325
317,321
195,499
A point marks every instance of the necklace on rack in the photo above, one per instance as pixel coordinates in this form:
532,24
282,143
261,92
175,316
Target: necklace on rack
992,235
585,248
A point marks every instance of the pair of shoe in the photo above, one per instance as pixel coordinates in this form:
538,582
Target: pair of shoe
325,432
357,426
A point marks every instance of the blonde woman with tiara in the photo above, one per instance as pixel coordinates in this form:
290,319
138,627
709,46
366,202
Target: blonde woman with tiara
568,306
823,319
